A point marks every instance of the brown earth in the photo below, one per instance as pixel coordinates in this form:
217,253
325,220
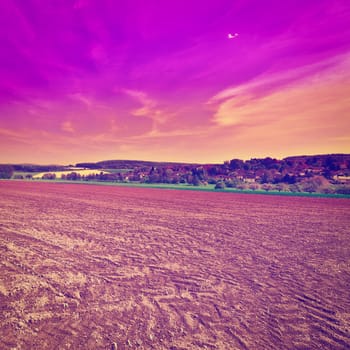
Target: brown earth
93,267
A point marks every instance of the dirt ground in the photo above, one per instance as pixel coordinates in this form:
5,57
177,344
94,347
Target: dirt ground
95,267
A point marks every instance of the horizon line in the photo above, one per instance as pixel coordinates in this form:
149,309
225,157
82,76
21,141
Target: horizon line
176,162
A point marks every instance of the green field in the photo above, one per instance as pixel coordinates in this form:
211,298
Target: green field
205,188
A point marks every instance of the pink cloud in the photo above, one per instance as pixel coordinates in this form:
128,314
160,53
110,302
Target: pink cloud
67,126
150,108
305,92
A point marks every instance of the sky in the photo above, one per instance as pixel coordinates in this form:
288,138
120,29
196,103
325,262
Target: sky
185,80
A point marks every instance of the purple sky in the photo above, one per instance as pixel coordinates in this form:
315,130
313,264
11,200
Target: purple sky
161,80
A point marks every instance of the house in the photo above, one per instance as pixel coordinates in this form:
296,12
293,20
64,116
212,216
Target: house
342,179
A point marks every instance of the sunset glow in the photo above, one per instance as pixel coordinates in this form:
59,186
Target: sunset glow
193,81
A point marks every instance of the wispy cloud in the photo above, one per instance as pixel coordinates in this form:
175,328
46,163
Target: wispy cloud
11,134
305,91
81,98
67,126
175,133
149,108
332,68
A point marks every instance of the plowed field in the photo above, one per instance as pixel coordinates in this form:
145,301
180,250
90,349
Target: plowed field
94,267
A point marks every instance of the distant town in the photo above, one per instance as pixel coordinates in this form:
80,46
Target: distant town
312,174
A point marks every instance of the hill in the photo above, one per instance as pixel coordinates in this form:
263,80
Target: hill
130,164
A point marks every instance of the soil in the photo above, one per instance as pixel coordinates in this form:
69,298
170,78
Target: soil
95,267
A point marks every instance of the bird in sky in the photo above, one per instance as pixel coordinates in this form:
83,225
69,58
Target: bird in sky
232,36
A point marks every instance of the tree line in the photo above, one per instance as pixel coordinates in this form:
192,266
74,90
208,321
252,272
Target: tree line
298,174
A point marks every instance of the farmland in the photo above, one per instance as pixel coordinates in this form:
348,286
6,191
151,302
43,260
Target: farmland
58,174
94,267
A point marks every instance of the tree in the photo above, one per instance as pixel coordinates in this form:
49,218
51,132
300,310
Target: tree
213,170
315,184
267,177
49,176
220,185
343,190
229,183
236,164
254,186
331,163
175,179
73,176
153,177
290,179
295,187
242,186
267,187
195,181
281,187
309,186
270,163
6,171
